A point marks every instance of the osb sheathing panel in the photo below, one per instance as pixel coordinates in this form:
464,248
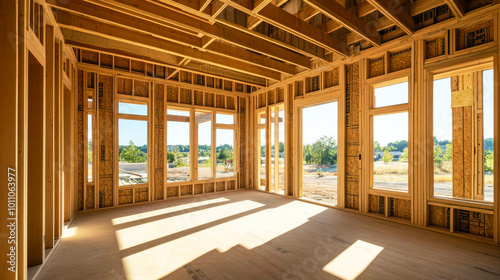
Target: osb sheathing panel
439,216
199,79
90,197
124,86
159,71
198,98
173,191
228,85
299,88
331,78
172,94
399,208
80,140
90,79
435,47
185,96
125,196
231,185
474,222
376,67
141,88
105,148
221,186
377,204
462,141
210,82
220,101
150,70
230,102
281,95
474,35
352,164
209,187
474,4
141,194
159,142
261,100
158,185
122,63
90,57
209,99
239,87
106,60
198,189
186,77
186,190
138,66
400,60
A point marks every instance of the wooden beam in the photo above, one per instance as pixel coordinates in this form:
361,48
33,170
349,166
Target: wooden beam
259,5
155,13
112,17
332,25
307,12
365,9
419,7
175,118
395,13
352,22
292,24
457,7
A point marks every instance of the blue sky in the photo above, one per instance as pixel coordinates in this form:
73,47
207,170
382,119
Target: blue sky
318,121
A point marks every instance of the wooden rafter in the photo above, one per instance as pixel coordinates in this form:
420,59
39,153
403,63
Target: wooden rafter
292,24
457,7
395,13
155,13
93,42
114,17
121,34
350,21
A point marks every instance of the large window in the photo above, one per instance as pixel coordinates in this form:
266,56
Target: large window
203,121
261,150
463,148
132,144
90,159
225,153
178,145
319,151
389,114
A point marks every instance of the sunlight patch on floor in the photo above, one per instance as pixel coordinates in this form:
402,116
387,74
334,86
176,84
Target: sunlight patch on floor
353,260
166,210
69,232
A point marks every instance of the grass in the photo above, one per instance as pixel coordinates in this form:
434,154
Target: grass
391,168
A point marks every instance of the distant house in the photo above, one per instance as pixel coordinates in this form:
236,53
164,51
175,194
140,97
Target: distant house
395,155
170,148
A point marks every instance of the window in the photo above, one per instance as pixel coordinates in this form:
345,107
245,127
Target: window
203,122
390,147
178,145
319,151
390,137
90,169
132,109
281,152
133,152
225,153
463,148
261,150
391,95
225,119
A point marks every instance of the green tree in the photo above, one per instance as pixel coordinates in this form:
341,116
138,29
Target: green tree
307,150
404,156
170,157
376,147
448,155
225,154
488,161
438,155
282,147
132,154
90,152
324,151
387,155
180,163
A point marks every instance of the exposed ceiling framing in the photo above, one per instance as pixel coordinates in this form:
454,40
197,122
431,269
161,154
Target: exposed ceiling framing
255,41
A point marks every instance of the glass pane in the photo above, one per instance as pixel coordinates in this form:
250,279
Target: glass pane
89,149
391,95
281,168
272,173
443,135
133,149
319,139
225,153
262,158
488,130
225,119
261,118
204,123
132,109
390,160
178,145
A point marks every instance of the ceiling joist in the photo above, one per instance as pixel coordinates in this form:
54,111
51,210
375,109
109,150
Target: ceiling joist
395,13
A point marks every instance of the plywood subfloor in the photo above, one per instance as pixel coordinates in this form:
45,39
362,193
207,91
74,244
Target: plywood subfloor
253,235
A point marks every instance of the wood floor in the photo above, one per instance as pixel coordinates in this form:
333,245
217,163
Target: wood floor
254,235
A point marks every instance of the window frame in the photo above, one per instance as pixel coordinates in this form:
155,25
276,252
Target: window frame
371,112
